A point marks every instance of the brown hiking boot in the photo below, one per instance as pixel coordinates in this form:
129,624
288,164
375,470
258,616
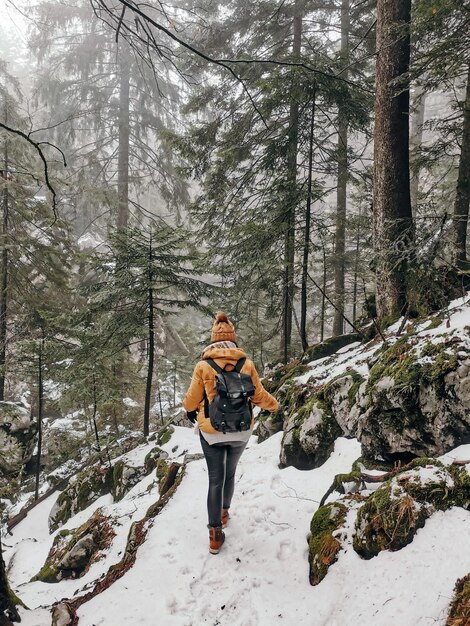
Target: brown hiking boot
216,539
225,517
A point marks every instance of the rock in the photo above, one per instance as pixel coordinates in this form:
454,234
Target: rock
415,402
325,541
77,558
309,436
415,407
152,457
391,516
197,456
164,435
61,615
17,437
329,347
73,551
268,426
87,486
125,477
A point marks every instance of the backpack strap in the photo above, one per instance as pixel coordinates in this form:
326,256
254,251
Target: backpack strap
214,365
239,364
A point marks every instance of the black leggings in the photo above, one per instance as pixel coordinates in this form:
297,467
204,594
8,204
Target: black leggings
222,460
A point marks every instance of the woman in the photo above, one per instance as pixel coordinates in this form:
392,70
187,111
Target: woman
222,450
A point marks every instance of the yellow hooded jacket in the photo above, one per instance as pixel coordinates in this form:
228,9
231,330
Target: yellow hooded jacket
204,380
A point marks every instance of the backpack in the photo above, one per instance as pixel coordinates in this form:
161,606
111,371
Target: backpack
230,411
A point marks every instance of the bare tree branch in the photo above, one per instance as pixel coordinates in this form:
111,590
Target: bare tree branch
37,146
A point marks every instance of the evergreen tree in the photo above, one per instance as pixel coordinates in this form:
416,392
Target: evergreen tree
255,168
143,274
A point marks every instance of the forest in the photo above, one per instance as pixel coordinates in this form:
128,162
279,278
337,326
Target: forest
303,165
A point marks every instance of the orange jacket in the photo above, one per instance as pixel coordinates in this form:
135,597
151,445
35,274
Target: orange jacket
204,380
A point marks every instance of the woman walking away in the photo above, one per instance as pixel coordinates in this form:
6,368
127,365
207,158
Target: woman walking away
224,385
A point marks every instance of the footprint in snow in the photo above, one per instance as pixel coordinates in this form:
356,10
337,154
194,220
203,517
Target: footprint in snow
286,550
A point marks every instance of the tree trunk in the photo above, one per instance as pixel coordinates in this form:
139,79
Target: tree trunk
4,267
392,220
151,346
341,196
291,199
95,410
40,410
462,199
356,271
308,211
323,296
417,121
124,133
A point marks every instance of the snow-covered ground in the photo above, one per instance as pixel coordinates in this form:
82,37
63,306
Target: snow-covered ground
356,355
260,577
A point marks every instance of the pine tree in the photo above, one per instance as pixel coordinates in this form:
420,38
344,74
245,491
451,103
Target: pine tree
143,274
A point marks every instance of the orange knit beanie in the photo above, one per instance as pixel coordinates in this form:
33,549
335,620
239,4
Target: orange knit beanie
223,329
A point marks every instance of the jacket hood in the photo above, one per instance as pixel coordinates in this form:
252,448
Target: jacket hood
224,356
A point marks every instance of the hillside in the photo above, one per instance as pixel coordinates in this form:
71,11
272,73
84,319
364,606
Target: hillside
262,575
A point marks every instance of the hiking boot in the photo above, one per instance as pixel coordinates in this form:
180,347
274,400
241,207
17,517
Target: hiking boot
216,539
225,517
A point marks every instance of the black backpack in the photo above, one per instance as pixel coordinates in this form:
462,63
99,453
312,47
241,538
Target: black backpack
230,411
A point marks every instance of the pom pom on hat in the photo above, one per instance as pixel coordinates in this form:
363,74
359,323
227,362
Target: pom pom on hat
223,329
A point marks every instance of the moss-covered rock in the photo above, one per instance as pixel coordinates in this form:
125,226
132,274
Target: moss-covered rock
164,435
416,402
391,516
151,458
459,613
73,552
325,542
329,347
309,435
125,477
86,487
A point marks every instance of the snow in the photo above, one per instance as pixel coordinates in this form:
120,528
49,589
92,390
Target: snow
355,356
130,402
260,576
90,240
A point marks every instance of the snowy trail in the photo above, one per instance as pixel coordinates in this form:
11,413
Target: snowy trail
260,577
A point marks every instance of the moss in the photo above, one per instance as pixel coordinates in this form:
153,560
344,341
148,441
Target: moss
435,321
391,516
88,485
282,374
329,347
323,547
459,612
98,526
353,390
118,470
162,471
151,458
164,436
386,522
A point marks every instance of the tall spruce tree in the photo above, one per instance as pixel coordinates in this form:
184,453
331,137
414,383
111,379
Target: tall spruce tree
143,274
